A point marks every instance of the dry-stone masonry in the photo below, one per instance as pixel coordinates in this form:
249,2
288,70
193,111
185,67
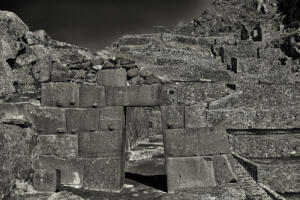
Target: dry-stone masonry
226,83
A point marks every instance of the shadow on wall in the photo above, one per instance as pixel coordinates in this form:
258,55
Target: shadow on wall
158,181
290,10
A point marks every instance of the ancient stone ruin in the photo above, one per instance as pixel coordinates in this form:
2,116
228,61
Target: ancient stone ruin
213,105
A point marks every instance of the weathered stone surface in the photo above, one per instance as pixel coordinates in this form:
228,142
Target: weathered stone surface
179,143
59,73
283,178
46,120
145,95
195,116
85,120
46,180
91,97
63,146
223,168
189,172
195,142
261,96
172,117
254,119
65,196
101,144
112,77
104,174
212,193
60,95
201,92
142,123
71,170
266,145
112,118
16,148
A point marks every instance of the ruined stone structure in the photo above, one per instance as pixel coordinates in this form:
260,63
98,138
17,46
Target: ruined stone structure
221,93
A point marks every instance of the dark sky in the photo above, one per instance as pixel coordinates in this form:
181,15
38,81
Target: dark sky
97,23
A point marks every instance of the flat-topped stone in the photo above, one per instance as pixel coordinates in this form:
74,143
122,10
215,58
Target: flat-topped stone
82,120
195,142
91,97
189,172
104,174
60,95
101,144
63,146
144,95
112,77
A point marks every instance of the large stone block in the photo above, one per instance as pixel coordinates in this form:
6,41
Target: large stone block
172,117
195,142
60,95
112,77
46,180
223,168
104,174
63,146
254,119
101,144
71,170
142,123
145,95
283,178
46,120
179,143
82,120
116,96
265,145
112,118
195,116
91,97
189,172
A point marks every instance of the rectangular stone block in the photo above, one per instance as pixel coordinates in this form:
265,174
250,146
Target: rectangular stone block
112,118
145,95
172,117
101,144
82,120
46,180
71,170
60,95
195,142
283,178
112,77
63,146
46,120
91,97
116,96
265,145
223,168
189,172
195,116
235,65
179,143
104,174
212,141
